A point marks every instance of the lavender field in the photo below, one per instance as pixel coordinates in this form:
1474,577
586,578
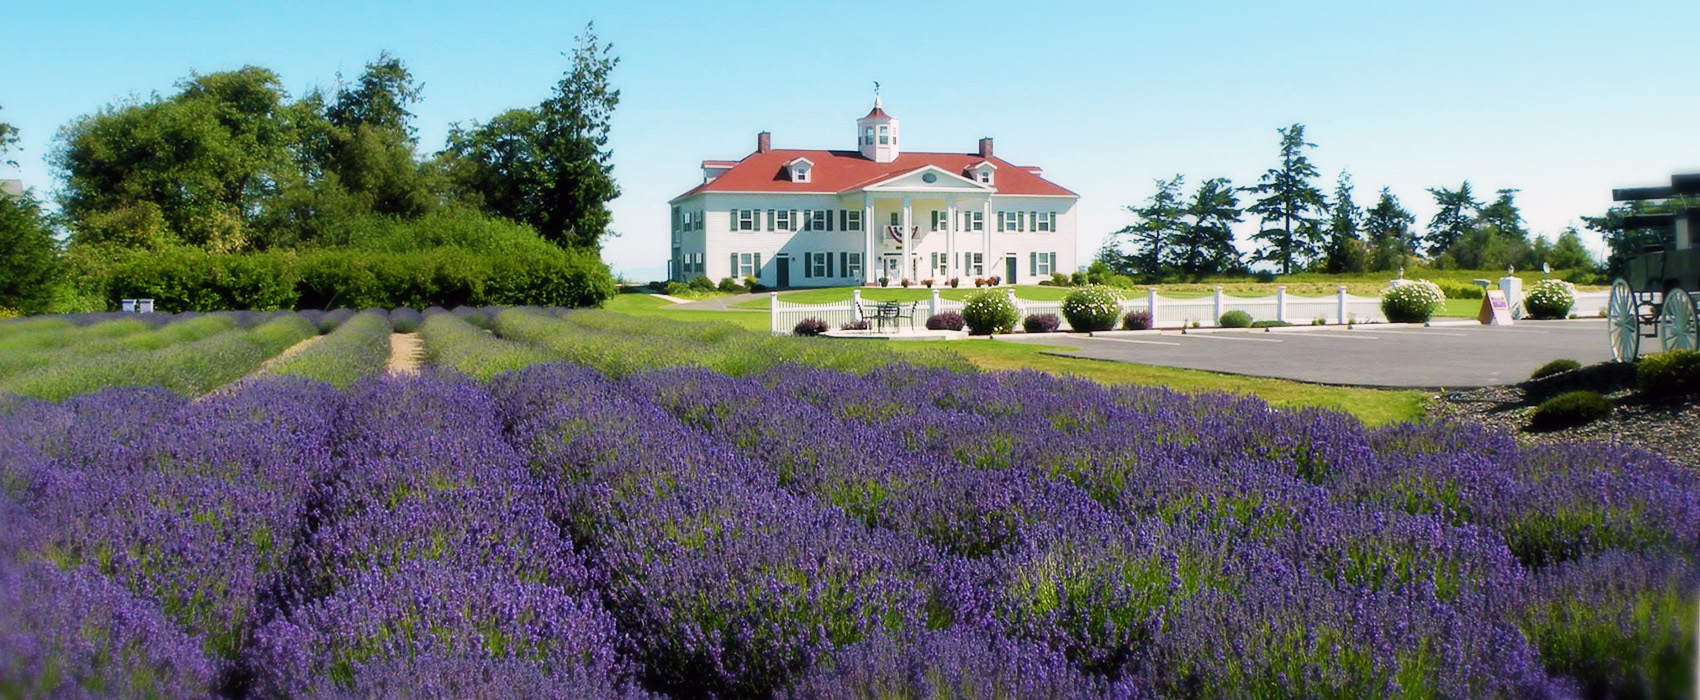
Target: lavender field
592,522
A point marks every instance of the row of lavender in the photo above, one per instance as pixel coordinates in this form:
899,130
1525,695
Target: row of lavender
820,534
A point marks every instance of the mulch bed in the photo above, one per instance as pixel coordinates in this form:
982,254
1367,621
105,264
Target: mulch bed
1669,427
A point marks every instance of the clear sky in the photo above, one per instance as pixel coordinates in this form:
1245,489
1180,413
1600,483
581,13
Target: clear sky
1563,100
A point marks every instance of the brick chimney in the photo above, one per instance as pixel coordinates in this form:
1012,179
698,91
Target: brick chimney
764,142
986,147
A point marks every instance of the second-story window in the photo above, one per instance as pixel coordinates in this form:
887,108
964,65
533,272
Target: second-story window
784,220
941,220
851,219
746,219
820,220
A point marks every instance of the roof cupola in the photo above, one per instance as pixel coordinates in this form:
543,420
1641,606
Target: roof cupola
876,134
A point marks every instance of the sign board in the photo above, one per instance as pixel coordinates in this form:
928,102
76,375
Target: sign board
1496,311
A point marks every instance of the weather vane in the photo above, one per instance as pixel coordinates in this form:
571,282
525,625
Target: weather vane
876,88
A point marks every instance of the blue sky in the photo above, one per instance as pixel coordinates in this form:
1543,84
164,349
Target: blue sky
1561,100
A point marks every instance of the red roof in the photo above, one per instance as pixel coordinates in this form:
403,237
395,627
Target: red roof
877,112
847,171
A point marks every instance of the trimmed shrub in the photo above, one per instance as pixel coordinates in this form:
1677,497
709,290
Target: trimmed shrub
1092,308
1670,373
729,286
1041,323
1270,324
947,321
1412,302
1235,319
1549,298
1137,320
676,289
1555,367
1061,279
809,327
1569,410
860,324
989,311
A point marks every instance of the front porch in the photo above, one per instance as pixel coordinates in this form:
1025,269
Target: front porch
927,224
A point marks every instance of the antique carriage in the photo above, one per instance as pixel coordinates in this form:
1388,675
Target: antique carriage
1657,297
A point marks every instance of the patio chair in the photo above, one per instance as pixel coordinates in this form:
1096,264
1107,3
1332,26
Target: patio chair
913,308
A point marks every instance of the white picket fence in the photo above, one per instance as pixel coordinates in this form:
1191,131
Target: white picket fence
1165,312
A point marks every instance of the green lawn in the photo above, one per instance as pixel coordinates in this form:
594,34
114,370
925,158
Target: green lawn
648,305
1372,406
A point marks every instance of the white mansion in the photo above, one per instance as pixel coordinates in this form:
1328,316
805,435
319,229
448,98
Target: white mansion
825,218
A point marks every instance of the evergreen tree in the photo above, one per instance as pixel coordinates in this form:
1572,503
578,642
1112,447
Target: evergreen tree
1568,253
1205,245
1388,228
1457,214
1344,251
1289,199
1504,216
547,166
1160,223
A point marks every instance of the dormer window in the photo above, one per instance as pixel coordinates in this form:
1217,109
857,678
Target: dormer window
800,169
981,172
986,176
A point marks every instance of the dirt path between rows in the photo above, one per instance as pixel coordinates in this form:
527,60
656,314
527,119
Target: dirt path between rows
407,353
287,353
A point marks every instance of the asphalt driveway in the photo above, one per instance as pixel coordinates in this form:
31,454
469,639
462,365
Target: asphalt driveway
1445,356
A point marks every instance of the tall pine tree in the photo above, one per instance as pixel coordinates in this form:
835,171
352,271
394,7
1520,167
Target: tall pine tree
1290,207
1205,245
1160,222
1344,251
1457,215
1388,228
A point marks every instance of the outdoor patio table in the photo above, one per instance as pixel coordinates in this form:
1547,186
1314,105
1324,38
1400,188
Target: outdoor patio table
888,311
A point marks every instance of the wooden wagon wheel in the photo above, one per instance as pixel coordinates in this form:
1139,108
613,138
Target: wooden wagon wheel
1676,321
1624,324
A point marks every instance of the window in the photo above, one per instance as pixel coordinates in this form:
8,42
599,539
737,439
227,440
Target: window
770,219
1041,264
799,174
850,264
746,264
819,262
850,219
941,220
745,218
678,220
1008,220
984,175
974,221
868,135
885,138
976,264
941,264
818,220
698,220
783,220
1045,221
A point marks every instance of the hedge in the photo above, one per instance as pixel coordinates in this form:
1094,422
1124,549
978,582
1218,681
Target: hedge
189,279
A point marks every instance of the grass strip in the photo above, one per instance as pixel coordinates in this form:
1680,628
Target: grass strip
358,348
452,343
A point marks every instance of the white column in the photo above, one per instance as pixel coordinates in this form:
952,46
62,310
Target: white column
868,232
908,271
1218,306
1281,303
986,236
773,312
933,306
950,237
1151,304
1341,295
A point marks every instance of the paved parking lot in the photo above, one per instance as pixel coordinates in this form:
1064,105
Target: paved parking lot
1447,356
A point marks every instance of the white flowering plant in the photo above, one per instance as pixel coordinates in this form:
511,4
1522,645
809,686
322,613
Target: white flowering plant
1412,302
989,311
1093,308
1549,298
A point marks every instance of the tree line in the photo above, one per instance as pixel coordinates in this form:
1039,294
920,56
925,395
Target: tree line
1300,228
232,164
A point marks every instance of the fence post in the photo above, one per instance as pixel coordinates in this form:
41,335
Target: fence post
1019,310
1281,303
773,312
1342,296
933,306
1151,304
1217,318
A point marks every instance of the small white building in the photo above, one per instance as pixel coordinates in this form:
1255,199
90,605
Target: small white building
815,218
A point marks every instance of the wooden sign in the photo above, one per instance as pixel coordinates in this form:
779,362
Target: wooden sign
1496,311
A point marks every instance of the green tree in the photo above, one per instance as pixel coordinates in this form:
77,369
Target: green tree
1205,245
547,166
8,142
1289,199
29,255
205,159
1457,213
1624,243
1345,250
1160,223
1504,216
1568,253
1388,227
